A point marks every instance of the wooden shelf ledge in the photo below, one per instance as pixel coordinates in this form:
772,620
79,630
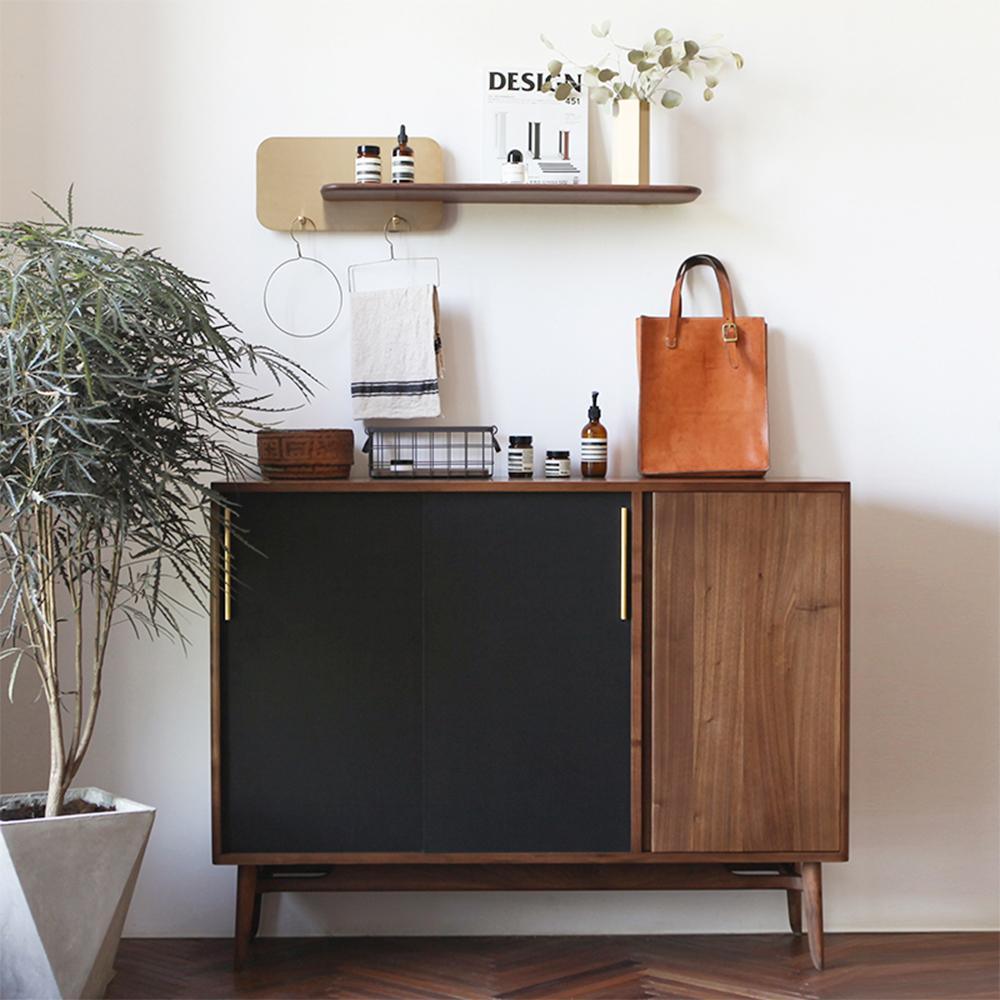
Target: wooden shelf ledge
516,194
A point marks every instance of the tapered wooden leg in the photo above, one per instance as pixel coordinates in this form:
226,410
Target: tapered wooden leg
255,921
795,910
794,901
247,901
812,889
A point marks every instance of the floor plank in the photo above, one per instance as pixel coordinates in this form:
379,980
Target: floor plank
939,966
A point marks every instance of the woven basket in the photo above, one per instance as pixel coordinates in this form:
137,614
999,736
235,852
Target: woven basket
313,454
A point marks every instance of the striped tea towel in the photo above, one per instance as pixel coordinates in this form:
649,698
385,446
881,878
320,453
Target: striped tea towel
395,353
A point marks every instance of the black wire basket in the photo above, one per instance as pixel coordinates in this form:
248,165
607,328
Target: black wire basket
431,452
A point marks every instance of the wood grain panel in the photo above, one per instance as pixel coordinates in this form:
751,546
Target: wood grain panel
747,602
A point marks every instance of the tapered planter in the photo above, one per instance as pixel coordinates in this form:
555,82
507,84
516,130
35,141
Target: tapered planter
630,143
65,887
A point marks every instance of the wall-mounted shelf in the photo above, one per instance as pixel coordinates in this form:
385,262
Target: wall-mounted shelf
291,169
516,194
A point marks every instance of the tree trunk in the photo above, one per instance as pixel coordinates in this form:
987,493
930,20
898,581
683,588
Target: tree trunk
57,762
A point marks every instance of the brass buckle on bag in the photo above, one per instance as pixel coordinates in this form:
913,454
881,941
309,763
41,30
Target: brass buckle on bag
730,334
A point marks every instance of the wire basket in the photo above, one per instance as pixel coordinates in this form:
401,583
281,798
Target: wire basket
431,452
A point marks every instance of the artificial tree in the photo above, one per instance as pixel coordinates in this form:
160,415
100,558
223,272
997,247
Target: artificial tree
121,394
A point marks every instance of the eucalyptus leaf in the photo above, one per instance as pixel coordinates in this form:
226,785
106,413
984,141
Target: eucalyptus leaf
708,94
663,36
601,30
636,56
555,67
644,67
601,95
606,74
626,92
738,59
546,87
691,49
546,42
711,82
671,98
563,91
589,80
666,57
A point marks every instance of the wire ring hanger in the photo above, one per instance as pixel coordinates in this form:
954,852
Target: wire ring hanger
303,220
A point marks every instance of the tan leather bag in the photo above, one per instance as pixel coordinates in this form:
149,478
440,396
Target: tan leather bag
702,388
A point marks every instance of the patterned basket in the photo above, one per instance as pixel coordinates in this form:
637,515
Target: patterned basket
312,454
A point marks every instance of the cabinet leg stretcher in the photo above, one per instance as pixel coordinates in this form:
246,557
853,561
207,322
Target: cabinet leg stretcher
801,882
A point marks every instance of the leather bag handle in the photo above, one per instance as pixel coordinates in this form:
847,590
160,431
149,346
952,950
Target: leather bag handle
729,331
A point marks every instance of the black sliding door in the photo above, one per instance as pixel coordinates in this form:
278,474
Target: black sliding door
527,673
320,696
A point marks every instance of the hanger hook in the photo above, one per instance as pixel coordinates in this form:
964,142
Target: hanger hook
393,226
299,220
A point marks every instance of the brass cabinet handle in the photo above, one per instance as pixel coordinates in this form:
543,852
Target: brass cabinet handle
623,609
227,565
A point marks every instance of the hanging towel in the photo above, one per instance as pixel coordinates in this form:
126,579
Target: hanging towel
395,353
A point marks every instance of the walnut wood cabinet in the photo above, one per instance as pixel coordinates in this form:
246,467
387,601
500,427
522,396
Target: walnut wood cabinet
520,685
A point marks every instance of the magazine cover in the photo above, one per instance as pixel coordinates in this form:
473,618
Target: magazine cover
550,135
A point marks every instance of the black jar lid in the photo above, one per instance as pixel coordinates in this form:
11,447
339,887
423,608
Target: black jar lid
557,454
520,440
373,150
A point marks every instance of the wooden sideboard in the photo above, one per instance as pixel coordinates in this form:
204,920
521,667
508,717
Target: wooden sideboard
531,685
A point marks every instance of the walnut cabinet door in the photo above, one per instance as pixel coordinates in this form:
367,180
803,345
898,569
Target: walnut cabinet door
747,640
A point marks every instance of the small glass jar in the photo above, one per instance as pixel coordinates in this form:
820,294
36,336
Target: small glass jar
520,457
368,165
557,465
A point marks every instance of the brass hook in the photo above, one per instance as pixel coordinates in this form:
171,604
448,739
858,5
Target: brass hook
300,220
393,224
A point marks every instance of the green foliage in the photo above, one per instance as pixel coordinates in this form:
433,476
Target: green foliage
121,394
645,72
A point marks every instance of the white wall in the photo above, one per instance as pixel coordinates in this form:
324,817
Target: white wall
850,180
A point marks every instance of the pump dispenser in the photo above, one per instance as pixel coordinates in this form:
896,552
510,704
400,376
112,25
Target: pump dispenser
594,444
403,167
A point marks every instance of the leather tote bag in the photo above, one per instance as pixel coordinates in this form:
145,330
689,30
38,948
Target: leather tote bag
702,388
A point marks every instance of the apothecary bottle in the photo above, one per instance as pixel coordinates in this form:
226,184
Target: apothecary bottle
594,444
368,165
403,163
520,457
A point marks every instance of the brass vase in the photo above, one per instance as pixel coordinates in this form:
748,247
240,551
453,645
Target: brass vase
630,146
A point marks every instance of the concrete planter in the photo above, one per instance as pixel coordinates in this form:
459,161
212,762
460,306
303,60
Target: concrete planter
65,887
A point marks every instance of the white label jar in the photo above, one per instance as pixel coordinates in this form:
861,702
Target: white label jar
368,165
520,457
557,465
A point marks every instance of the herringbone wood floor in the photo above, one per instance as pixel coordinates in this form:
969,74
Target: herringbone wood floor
706,967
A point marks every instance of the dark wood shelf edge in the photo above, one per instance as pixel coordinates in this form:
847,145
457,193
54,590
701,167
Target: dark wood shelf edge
516,194
651,485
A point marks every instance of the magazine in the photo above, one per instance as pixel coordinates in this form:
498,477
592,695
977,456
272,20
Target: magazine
551,135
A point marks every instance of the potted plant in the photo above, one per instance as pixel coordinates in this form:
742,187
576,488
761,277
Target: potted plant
120,394
631,86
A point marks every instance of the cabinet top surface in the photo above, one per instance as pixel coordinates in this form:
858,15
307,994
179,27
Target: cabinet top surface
500,485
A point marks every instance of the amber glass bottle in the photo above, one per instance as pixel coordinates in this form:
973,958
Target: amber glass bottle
594,444
403,165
